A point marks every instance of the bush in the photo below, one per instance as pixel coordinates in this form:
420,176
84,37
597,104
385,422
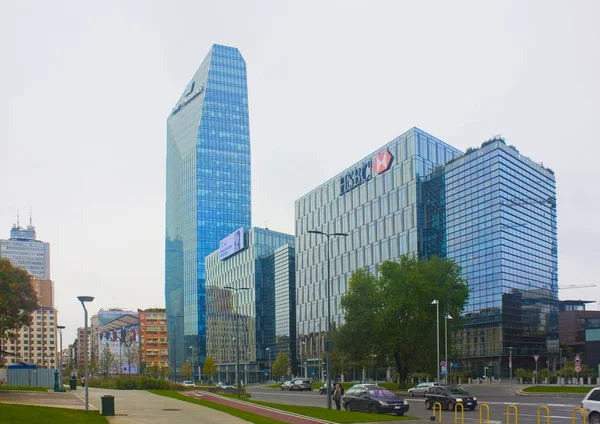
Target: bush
553,379
127,384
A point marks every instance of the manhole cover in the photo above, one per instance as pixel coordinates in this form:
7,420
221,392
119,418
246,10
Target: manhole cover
171,409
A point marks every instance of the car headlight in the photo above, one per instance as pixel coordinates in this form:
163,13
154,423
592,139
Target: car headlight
459,400
474,398
406,402
383,403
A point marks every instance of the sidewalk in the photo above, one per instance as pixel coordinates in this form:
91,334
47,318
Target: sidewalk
140,406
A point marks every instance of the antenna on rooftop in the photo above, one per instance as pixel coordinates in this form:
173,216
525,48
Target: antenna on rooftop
266,225
30,216
17,217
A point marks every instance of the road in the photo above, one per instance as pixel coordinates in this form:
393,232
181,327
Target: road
497,397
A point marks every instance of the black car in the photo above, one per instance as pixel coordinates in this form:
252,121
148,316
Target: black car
374,399
449,397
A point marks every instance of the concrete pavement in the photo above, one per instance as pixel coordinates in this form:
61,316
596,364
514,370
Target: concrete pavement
141,407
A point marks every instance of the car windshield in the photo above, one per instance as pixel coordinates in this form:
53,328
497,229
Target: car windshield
457,390
381,393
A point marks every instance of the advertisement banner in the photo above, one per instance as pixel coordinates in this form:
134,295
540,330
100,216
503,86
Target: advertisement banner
231,244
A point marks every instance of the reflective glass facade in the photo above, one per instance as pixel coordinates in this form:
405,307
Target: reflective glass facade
501,230
208,191
252,311
285,300
378,203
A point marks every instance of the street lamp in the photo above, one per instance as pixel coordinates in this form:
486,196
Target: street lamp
60,364
83,300
437,308
237,340
302,343
269,350
561,365
510,363
446,318
328,310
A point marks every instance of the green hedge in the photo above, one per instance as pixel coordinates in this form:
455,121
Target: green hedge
134,383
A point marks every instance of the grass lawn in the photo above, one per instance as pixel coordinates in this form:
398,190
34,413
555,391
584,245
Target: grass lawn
24,388
10,413
557,389
329,415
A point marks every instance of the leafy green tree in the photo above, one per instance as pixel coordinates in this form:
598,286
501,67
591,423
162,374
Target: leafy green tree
390,319
17,299
154,370
93,367
186,370
281,366
165,371
209,368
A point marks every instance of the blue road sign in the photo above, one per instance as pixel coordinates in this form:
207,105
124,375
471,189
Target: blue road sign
313,371
266,371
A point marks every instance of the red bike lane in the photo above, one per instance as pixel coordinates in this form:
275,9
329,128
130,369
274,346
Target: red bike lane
286,417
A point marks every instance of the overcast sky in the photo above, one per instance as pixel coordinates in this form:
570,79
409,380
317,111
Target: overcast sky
86,88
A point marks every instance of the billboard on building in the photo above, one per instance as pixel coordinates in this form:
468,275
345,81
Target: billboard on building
231,244
118,342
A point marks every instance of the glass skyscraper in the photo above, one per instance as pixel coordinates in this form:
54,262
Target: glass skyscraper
255,274
491,210
208,191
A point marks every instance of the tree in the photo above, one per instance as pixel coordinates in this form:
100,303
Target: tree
209,368
93,367
281,366
186,370
132,355
165,371
154,370
17,299
107,361
393,318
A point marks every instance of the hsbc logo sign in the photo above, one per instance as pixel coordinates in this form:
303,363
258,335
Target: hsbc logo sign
364,172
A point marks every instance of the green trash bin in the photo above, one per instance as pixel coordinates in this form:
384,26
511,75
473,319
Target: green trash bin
108,405
73,383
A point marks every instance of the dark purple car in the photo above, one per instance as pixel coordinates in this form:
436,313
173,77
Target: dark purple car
374,400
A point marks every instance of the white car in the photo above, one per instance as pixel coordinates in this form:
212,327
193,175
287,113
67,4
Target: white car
188,383
421,388
591,405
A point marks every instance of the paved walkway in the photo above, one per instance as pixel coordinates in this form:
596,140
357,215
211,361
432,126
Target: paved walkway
140,406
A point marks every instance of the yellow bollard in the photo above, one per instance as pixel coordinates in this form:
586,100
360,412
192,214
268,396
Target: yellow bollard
573,414
462,410
540,414
487,407
508,413
434,407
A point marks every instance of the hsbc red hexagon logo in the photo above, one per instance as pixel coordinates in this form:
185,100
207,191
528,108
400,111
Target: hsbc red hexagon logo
382,162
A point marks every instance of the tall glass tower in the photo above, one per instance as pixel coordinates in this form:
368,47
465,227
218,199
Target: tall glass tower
208,191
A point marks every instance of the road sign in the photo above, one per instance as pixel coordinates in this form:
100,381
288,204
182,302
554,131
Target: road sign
510,362
443,364
536,357
577,358
444,371
577,369
266,371
313,371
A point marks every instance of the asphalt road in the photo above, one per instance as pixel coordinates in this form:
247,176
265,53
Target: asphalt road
497,397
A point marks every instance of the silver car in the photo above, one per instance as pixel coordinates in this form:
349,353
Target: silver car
421,388
591,405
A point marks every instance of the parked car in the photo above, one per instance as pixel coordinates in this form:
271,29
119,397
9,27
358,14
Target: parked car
323,389
449,397
421,388
375,400
286,385
188,383
366,386
224,385
591,405
301,385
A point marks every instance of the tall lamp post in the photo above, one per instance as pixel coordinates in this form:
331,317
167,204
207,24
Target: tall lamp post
446,318
561,364
269,350
83,300
60,364
437,321
510,363
237,340
328,365
302,343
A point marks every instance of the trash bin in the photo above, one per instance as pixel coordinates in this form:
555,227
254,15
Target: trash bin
73,383
108,405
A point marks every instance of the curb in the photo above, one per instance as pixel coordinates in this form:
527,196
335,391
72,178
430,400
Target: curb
541,394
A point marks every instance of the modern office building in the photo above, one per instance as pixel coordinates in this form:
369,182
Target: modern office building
25,252
579,329
241,300
491,210
501,230
208,191
284,261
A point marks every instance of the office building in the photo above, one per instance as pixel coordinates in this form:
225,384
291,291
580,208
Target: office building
284,261
25,252
579,329
241,287
153,337
491,210
207,191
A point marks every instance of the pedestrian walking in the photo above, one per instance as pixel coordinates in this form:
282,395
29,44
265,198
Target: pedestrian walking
337,396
